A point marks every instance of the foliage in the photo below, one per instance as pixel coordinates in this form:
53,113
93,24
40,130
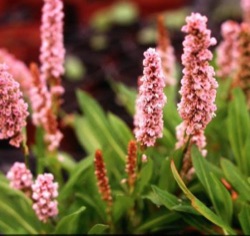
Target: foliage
214,201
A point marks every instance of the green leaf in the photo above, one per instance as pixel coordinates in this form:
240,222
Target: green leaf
120,129
11,215
67,161
216,191
171,202
144,176
236,179
238,129
125,95
7,229
198,205
200,224
78,172
121,205
85,135
156,222
98,229
170,114
16,209
99,124
166,179
244,218
69,223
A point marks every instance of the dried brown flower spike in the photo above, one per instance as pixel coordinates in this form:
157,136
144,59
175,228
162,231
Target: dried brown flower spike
131,163
102,179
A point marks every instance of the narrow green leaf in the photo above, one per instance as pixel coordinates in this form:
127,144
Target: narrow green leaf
81,167
239,128
20,203
125,95
166,179
244,218
216,191
144,176
5,228
85,135
236,179
120,129
200,224
67,161
69,223
99,123
16,217
167,218
171,202
98,229
198,205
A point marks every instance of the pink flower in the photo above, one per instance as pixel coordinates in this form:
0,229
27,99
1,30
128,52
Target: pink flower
166,52
52,48
18,69
42,110
241,78
44,194
13,109
148,119
198,90
245,6
227,51
20,177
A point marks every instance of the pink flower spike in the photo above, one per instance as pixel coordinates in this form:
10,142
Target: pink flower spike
245,7
13,109
148,119
198,91
52,48
166,52
20,177
45,190
227,51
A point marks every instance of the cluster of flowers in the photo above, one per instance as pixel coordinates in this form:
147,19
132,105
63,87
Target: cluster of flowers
43,190
196,107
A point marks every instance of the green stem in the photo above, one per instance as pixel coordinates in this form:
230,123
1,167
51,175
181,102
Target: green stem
40,150
25,148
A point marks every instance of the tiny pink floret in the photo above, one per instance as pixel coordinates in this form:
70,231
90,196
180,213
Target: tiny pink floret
45,190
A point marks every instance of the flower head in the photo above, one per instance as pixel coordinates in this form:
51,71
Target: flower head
227,51
198,86
45,190
102,178
20,177
13,109
148,118
52,49
42,114
245,6
166,52
242,77
18,69
131,163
